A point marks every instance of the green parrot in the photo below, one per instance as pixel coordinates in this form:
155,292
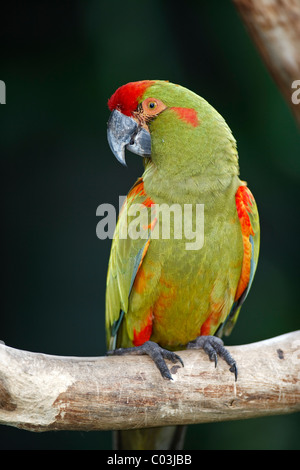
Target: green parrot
167,291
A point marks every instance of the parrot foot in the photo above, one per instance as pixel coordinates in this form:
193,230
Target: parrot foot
213,347
157,353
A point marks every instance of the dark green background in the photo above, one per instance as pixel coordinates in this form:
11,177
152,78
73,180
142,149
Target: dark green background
61,60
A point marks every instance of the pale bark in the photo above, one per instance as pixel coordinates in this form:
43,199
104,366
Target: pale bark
39,392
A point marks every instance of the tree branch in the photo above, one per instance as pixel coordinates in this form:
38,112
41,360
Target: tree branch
274,26
39,392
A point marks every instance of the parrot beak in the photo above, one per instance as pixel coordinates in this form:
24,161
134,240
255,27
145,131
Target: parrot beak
124,132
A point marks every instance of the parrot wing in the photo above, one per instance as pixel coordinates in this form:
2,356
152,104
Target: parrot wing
129,247
249,220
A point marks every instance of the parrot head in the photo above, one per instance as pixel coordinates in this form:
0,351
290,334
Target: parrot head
172,126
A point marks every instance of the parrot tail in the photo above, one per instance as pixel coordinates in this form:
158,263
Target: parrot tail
162,438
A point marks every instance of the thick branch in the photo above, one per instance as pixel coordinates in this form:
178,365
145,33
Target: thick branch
274,26
39,392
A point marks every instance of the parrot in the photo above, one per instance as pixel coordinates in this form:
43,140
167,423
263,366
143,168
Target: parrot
163,293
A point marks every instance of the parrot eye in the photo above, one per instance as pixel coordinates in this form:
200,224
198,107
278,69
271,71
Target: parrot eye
152,104
152,107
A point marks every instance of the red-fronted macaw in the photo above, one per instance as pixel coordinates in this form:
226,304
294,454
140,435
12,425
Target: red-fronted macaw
162,293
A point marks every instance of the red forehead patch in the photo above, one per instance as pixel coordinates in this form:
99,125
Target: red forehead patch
126,98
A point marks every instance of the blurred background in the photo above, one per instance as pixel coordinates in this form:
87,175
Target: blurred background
61,61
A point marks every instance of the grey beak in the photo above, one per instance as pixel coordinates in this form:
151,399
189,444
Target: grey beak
124,132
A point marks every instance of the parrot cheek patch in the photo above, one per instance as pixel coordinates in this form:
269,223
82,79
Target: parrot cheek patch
188,115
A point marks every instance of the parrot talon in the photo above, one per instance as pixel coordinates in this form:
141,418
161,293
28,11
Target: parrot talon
214,346
157,354
234,370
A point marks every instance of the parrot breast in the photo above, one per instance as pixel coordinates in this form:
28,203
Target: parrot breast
178,294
